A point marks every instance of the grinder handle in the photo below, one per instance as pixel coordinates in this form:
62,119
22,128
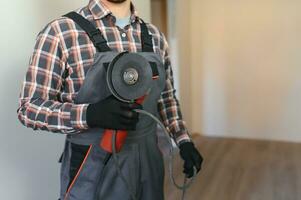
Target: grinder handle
141,100
106,142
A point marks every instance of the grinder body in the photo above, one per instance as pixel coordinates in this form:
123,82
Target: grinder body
108,76
126,72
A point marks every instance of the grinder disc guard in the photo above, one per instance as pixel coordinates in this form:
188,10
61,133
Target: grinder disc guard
129,76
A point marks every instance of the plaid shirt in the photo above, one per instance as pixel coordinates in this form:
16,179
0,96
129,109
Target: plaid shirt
61,58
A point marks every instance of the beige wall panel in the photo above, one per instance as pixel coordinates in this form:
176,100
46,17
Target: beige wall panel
245,62
183,44
144,9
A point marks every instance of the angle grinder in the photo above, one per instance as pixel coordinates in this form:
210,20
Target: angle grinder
129,78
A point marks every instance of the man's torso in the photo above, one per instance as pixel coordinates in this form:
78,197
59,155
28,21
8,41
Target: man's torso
78,51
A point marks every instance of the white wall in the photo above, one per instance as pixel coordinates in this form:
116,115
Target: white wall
245,68
143,7
173,40
179,25
29,168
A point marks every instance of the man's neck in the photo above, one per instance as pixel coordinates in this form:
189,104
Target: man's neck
119,10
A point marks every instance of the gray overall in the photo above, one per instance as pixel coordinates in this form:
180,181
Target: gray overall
140,159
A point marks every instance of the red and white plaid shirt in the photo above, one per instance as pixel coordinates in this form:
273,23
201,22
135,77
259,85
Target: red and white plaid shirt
61,58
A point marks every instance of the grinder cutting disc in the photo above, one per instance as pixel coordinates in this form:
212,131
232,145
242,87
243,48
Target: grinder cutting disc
129,76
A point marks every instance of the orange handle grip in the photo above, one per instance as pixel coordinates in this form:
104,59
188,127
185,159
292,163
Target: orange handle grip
106,142
140,100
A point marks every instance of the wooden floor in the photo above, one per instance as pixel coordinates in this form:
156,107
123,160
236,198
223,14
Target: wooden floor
236,169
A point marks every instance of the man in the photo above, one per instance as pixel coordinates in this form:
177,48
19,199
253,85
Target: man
62,58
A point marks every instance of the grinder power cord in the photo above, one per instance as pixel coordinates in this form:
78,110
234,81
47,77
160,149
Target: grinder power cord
192,159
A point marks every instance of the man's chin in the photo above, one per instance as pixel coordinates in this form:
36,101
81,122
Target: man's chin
116,1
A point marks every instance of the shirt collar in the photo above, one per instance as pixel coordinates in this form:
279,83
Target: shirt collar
99,10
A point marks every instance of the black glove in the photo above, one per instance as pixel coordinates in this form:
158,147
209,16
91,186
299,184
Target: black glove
192,158
111,113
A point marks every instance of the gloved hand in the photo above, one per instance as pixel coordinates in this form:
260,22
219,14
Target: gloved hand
192,158
111,113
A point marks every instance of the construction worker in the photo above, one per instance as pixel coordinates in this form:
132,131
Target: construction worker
63,55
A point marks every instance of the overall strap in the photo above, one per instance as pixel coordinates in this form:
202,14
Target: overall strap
94,34
146,38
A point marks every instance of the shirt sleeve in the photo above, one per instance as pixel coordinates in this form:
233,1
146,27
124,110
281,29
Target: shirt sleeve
40,106
168,104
